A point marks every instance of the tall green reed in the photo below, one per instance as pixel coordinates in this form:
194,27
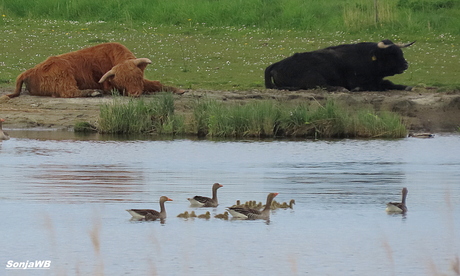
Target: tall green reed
255,119
272,119
367,123
265,118
130,115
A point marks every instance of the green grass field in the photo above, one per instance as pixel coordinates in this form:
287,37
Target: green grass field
325,15
219,45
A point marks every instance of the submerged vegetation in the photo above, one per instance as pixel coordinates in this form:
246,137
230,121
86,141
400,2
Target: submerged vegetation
261,119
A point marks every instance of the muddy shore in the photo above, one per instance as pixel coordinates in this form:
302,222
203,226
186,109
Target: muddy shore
422,109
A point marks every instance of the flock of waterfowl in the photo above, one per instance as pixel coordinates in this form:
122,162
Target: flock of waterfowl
250,210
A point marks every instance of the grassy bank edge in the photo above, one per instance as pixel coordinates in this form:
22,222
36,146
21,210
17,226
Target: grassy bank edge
255,119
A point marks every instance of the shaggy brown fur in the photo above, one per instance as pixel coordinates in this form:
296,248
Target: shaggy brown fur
74,74
127,77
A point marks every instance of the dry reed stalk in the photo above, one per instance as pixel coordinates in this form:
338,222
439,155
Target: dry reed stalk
389,252
94,234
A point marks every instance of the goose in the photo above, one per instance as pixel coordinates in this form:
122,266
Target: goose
183,215
149,214
246,213
202,201
291,203
223,216
275,205
398,207
421,135
252,204
238,204
3,135
207,215
286,205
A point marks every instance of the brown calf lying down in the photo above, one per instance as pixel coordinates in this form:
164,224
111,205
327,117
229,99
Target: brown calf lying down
104,67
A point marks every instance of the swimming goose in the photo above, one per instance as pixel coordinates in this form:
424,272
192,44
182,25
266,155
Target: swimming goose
421,135
238,204
202,201
207,215
223,216
251,204
291,203
398,207
285,205
273,206
3,135
183,215
246,213
149,214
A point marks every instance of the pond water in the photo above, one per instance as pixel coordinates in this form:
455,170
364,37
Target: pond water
63,199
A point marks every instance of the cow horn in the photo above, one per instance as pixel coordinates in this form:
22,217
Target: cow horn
383,45
139,61
405,45
107,75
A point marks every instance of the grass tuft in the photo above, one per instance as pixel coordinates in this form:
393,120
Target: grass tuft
84,127
129,115
270,118
262,119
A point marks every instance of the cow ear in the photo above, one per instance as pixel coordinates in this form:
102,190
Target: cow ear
374,54
109,74
142,62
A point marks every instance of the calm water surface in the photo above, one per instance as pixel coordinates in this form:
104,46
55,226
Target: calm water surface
63,198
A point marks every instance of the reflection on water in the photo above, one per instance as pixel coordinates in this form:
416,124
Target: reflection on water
106,182
64,199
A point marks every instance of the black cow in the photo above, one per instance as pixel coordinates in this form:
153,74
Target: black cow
354,67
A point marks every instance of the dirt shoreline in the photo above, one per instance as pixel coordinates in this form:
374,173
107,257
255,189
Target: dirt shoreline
422,109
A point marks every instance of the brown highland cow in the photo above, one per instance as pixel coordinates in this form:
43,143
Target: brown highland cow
104,67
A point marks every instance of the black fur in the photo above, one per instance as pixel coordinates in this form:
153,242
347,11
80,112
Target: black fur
353,67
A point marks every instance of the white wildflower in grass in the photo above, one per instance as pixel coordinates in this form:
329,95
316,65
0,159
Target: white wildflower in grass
213,56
